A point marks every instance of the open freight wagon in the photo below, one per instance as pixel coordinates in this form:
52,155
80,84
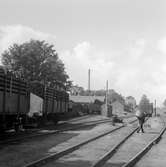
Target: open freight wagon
15,101
55,101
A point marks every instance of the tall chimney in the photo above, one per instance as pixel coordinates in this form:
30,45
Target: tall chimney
89,80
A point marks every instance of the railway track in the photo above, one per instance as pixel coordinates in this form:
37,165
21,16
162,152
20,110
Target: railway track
36,134
117,156
73,124
59,125
78,119
140,154
55,156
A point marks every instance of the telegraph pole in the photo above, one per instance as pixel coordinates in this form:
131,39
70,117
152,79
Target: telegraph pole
89,81
155,107
106,97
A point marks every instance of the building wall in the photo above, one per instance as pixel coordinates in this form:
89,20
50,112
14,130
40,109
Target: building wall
94,108
106,111
117,108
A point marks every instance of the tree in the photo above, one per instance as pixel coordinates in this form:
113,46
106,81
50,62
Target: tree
144,104
35,61
114,96
100,92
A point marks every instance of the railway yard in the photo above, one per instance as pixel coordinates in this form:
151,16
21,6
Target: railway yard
82,83
90,140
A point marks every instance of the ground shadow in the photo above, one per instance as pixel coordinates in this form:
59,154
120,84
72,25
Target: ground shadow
117,164
77,163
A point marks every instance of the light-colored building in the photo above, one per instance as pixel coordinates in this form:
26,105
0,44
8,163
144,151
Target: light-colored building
117,108
86,99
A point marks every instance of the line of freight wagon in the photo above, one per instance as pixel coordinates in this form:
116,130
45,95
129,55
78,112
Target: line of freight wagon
16,102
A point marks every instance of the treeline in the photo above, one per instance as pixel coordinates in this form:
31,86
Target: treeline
36,61
145,105
112,94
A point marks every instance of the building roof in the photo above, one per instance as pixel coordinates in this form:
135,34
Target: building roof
86,99
117,102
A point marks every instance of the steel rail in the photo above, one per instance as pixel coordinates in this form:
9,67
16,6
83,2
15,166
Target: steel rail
77,118
29,136
110,153
56,156
138,156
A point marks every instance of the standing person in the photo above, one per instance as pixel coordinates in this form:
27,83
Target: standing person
141,119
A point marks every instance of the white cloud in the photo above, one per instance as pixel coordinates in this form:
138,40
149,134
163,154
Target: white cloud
19,34
83,57
136,70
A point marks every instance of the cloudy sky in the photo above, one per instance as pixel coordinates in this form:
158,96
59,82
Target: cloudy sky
122,41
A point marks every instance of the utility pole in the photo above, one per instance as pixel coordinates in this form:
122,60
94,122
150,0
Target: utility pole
152,109
106,96
155,107
89,81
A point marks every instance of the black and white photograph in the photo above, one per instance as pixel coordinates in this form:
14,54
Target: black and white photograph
82,83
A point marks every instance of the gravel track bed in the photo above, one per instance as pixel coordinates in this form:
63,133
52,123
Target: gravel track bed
87,119
155,156
64,124
19,154
135,143
90,153
85,156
